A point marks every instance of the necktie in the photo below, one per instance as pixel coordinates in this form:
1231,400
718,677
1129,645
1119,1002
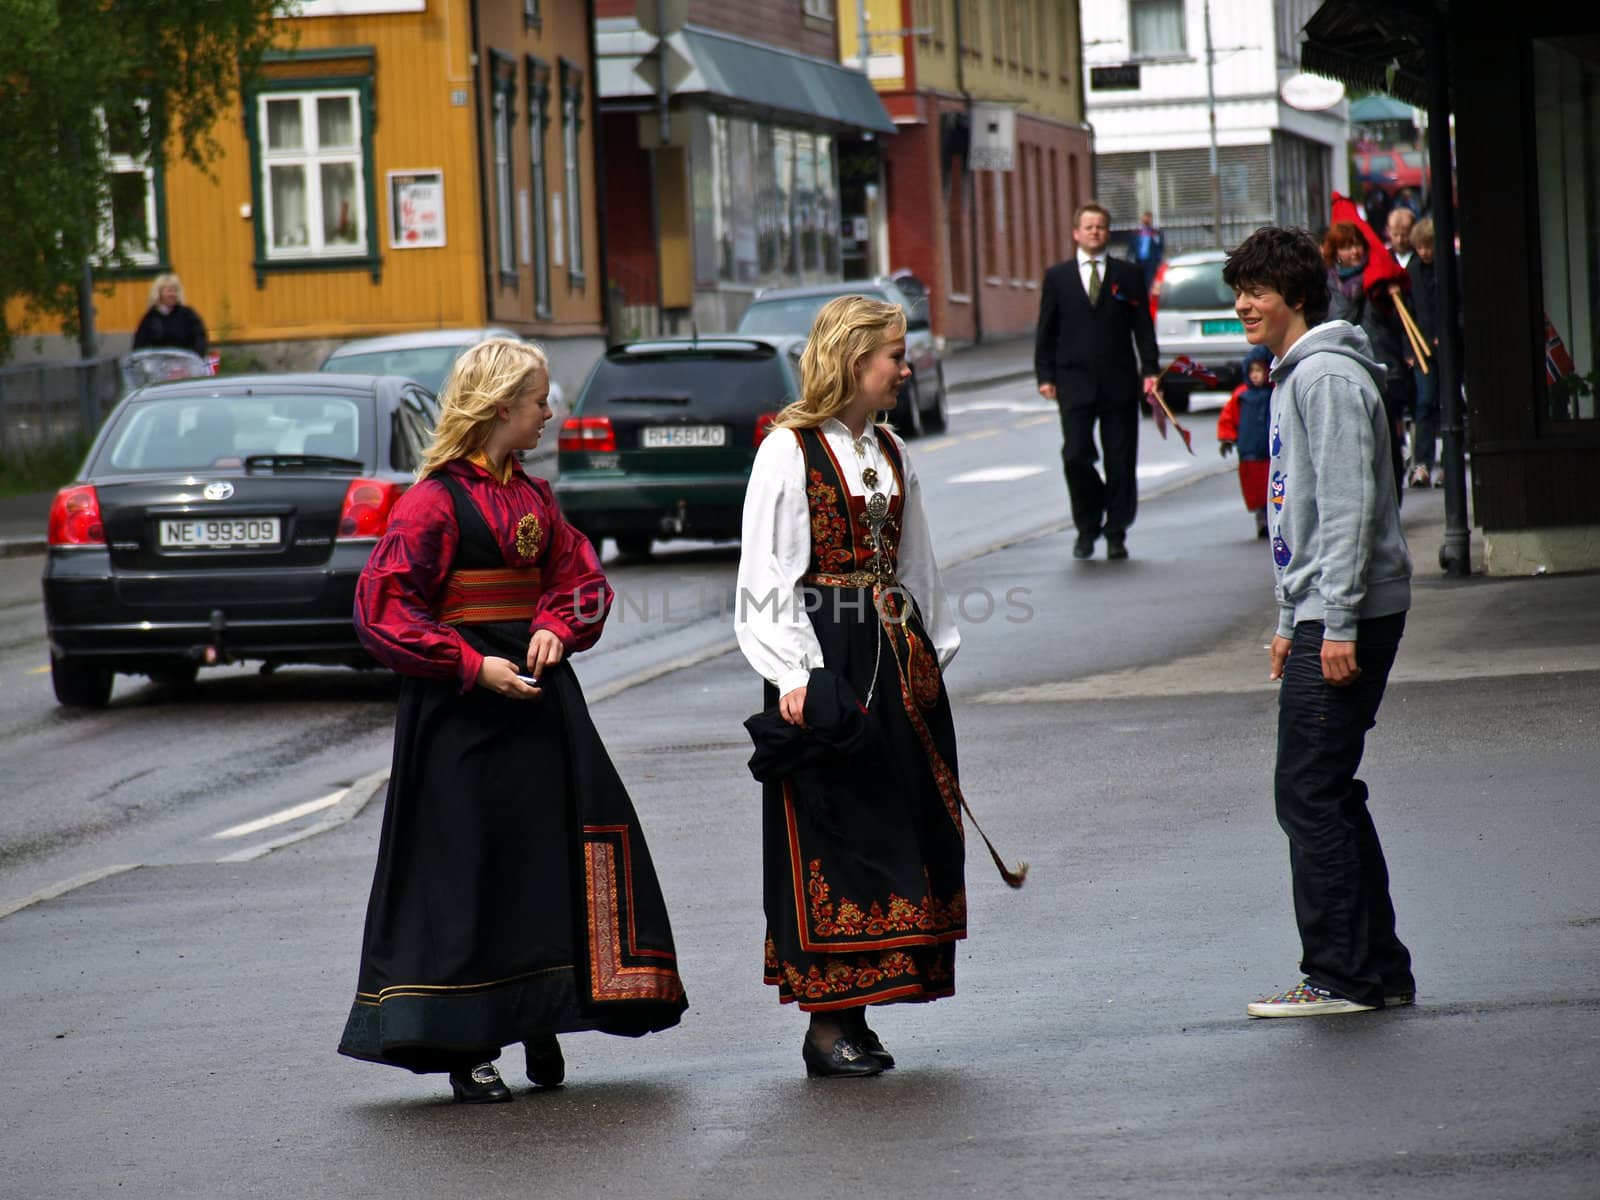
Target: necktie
1094,281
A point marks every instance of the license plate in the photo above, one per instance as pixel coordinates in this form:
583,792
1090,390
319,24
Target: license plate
655,437
1221,325
211,532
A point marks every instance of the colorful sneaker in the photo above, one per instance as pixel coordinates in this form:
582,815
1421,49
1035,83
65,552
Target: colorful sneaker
1304,1000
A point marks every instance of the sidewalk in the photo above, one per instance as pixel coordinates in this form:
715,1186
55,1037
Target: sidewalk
970,366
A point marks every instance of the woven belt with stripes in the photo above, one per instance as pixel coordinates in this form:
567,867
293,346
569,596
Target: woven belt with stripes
477,597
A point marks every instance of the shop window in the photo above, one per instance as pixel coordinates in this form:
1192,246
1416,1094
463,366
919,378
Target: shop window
1155,28
571,126
538,128
532,16
1566,77
312,167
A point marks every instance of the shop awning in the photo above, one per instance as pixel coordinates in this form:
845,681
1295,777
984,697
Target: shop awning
744,76
1376,44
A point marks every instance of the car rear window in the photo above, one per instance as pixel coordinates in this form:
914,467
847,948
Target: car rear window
427,365
196,432
1194,286
793,314
691,382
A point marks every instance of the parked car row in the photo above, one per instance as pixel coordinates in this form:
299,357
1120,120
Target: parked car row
223,519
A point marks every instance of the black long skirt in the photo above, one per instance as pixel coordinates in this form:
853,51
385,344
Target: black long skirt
864,879
514,893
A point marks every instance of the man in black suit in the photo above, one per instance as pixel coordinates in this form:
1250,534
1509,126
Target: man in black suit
1092,311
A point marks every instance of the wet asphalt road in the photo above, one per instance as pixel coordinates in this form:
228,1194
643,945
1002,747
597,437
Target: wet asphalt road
170,1030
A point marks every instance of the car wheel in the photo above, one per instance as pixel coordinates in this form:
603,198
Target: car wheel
937,418
177,677
635,545
909,421
80,684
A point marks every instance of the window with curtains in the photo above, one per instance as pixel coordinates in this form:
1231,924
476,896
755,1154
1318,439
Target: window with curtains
571,126
1155,28
503,81
129,220
313,172
538,129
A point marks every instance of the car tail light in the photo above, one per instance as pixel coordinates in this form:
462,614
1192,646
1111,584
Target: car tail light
764,425
1155,290
75,518
366,507
592,435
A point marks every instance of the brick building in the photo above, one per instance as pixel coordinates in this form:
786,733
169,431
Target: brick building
992,153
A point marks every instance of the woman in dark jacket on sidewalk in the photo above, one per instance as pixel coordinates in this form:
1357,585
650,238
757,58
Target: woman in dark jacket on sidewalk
169,321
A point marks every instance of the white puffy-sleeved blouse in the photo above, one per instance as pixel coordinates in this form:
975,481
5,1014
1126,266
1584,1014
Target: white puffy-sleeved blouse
777,637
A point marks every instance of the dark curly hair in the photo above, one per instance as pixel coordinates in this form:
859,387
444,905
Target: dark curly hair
1289,261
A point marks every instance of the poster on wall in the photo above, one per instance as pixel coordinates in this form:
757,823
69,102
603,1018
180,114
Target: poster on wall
416,209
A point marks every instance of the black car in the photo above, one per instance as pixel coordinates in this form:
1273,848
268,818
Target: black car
216,520
662,438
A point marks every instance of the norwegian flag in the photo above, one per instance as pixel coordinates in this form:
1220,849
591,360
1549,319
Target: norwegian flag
1383,269
1184,365
1558,362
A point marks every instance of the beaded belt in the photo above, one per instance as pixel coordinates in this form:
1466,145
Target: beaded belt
855,579
476,597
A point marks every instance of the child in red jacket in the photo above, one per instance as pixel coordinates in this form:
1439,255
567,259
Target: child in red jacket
1243,426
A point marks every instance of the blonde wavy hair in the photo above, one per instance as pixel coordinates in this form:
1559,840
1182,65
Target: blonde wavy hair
161,281
483,378
847,330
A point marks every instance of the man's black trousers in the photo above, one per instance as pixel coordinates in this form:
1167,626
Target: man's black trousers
1341,882
1101,505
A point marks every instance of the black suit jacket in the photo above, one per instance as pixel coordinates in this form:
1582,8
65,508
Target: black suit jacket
1087,350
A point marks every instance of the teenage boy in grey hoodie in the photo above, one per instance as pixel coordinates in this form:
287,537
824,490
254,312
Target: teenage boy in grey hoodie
1343,588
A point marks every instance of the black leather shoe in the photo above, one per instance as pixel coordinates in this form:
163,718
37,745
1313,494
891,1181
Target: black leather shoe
481,1085
1083,548
1116,548
845,1061
546,1067
873,1045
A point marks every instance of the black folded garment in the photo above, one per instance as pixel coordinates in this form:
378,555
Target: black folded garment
836,724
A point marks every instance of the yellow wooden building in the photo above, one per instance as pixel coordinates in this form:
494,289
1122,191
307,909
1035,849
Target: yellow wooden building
397,165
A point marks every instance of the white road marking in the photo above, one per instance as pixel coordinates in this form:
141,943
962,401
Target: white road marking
996,474
1023,406
285,815
1156,470
39,671
1044,420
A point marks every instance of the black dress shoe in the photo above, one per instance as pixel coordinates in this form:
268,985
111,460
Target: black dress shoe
481,1085
546,1067
873,1045
845,1061
1116,548
1083,548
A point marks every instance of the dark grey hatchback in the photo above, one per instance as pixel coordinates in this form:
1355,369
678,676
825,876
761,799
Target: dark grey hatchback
216,520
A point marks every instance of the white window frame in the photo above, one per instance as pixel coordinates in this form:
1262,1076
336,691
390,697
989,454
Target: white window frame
312,158
127,164
822,10
1137,52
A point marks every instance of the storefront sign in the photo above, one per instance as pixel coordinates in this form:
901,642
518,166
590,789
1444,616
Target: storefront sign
416,209
1124,78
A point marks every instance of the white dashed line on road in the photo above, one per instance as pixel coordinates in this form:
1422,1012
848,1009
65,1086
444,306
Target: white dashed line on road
283,816
996,474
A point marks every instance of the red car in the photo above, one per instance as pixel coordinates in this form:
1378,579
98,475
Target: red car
1391,169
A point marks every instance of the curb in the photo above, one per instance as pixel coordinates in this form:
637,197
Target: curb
973,385
21,547
356,797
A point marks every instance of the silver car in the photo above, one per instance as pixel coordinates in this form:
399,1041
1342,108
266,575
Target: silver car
427,356
1195,317
791,310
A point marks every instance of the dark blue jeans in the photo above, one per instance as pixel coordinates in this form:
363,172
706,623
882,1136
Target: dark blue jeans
1341,882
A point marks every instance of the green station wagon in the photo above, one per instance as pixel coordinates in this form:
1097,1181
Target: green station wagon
660,443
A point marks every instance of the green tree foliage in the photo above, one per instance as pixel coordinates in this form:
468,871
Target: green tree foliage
75,75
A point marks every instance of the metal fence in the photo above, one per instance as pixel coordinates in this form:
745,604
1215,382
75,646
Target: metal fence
45,403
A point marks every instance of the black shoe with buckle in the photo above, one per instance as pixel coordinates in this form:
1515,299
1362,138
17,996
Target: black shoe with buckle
873,1045
546,1067
845,1061
481,1085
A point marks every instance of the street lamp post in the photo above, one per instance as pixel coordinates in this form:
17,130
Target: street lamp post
1211,110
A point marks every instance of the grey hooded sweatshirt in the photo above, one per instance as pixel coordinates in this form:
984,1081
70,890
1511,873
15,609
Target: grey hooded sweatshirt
1336,541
